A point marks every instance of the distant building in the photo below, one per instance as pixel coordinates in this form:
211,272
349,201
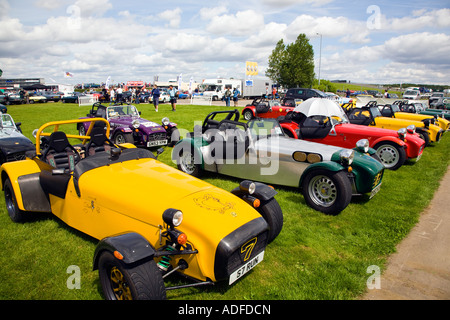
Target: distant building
12,84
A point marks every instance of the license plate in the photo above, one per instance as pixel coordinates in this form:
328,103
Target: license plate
156,143
246,268
375,191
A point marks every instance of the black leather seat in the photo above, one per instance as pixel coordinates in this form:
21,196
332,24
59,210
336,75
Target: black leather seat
60,153
99,142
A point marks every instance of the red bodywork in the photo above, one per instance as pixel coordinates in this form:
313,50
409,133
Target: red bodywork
346,135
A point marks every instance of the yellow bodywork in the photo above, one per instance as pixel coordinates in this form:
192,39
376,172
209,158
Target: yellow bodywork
444,124
131,196
396,124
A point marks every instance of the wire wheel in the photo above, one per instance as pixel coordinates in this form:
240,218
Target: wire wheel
187,162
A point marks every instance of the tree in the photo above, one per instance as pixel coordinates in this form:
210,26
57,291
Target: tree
292,65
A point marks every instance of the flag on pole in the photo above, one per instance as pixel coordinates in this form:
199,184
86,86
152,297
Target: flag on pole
180,77
190,84
107,82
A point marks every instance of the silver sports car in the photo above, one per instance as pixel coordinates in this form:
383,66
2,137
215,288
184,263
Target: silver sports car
327,176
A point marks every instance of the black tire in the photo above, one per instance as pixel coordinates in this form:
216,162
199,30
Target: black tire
81,130
272,213
186,161
139,281
247,115
174,137
423,135
121,137
390,154
336,185
14,212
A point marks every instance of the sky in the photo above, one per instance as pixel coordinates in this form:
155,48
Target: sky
377,41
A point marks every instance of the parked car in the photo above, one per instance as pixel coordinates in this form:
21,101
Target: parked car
327,176
164,221
13,144
411,94
14,98
265,108
35,98
50,96
163,98
413,111
128,127
3,108
3,98
73,97
328,124
303,94
371,116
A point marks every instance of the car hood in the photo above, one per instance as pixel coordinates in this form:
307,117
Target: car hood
145,125
12,141
144,188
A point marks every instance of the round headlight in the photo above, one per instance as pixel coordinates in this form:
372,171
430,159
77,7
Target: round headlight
347,157
136,124
402,133
165,121
173,217
363,145
411,129
248,186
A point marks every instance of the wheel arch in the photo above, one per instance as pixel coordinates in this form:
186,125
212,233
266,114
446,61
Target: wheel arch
328,165
131,246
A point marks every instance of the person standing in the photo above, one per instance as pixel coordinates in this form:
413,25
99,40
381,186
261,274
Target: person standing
156,94
173,97
227,97
112,95
119,94
236,94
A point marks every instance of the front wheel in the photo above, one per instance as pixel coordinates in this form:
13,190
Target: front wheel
121,137
327,191
423,134
272,213
142,281
391,155
186,162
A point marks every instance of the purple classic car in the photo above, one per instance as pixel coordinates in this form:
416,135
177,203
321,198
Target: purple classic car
128,127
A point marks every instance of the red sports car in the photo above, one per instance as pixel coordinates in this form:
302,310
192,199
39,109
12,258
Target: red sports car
265,108
393,148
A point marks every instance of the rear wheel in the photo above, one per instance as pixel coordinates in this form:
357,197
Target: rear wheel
327,191
141,281
391,155
248,115
14,212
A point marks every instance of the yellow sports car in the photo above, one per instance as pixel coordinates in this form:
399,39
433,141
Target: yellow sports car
150,218
371,116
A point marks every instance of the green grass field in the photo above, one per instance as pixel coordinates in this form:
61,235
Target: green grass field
315,256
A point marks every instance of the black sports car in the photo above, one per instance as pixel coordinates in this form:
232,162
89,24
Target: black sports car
13,144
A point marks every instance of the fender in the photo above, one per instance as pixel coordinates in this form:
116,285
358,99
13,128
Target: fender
251,108
194,144
395,140
24,177
132,246
262,191
328,165
290,128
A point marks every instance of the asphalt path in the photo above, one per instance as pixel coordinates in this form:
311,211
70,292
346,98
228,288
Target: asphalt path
420,269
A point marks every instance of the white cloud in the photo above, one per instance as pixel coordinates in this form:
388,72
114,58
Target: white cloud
173,17
242,23
209,13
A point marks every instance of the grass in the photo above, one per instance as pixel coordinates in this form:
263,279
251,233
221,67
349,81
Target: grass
315,256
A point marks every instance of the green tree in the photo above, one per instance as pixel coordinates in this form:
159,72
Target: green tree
292,65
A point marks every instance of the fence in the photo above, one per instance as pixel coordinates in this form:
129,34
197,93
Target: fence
87,100
201,100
